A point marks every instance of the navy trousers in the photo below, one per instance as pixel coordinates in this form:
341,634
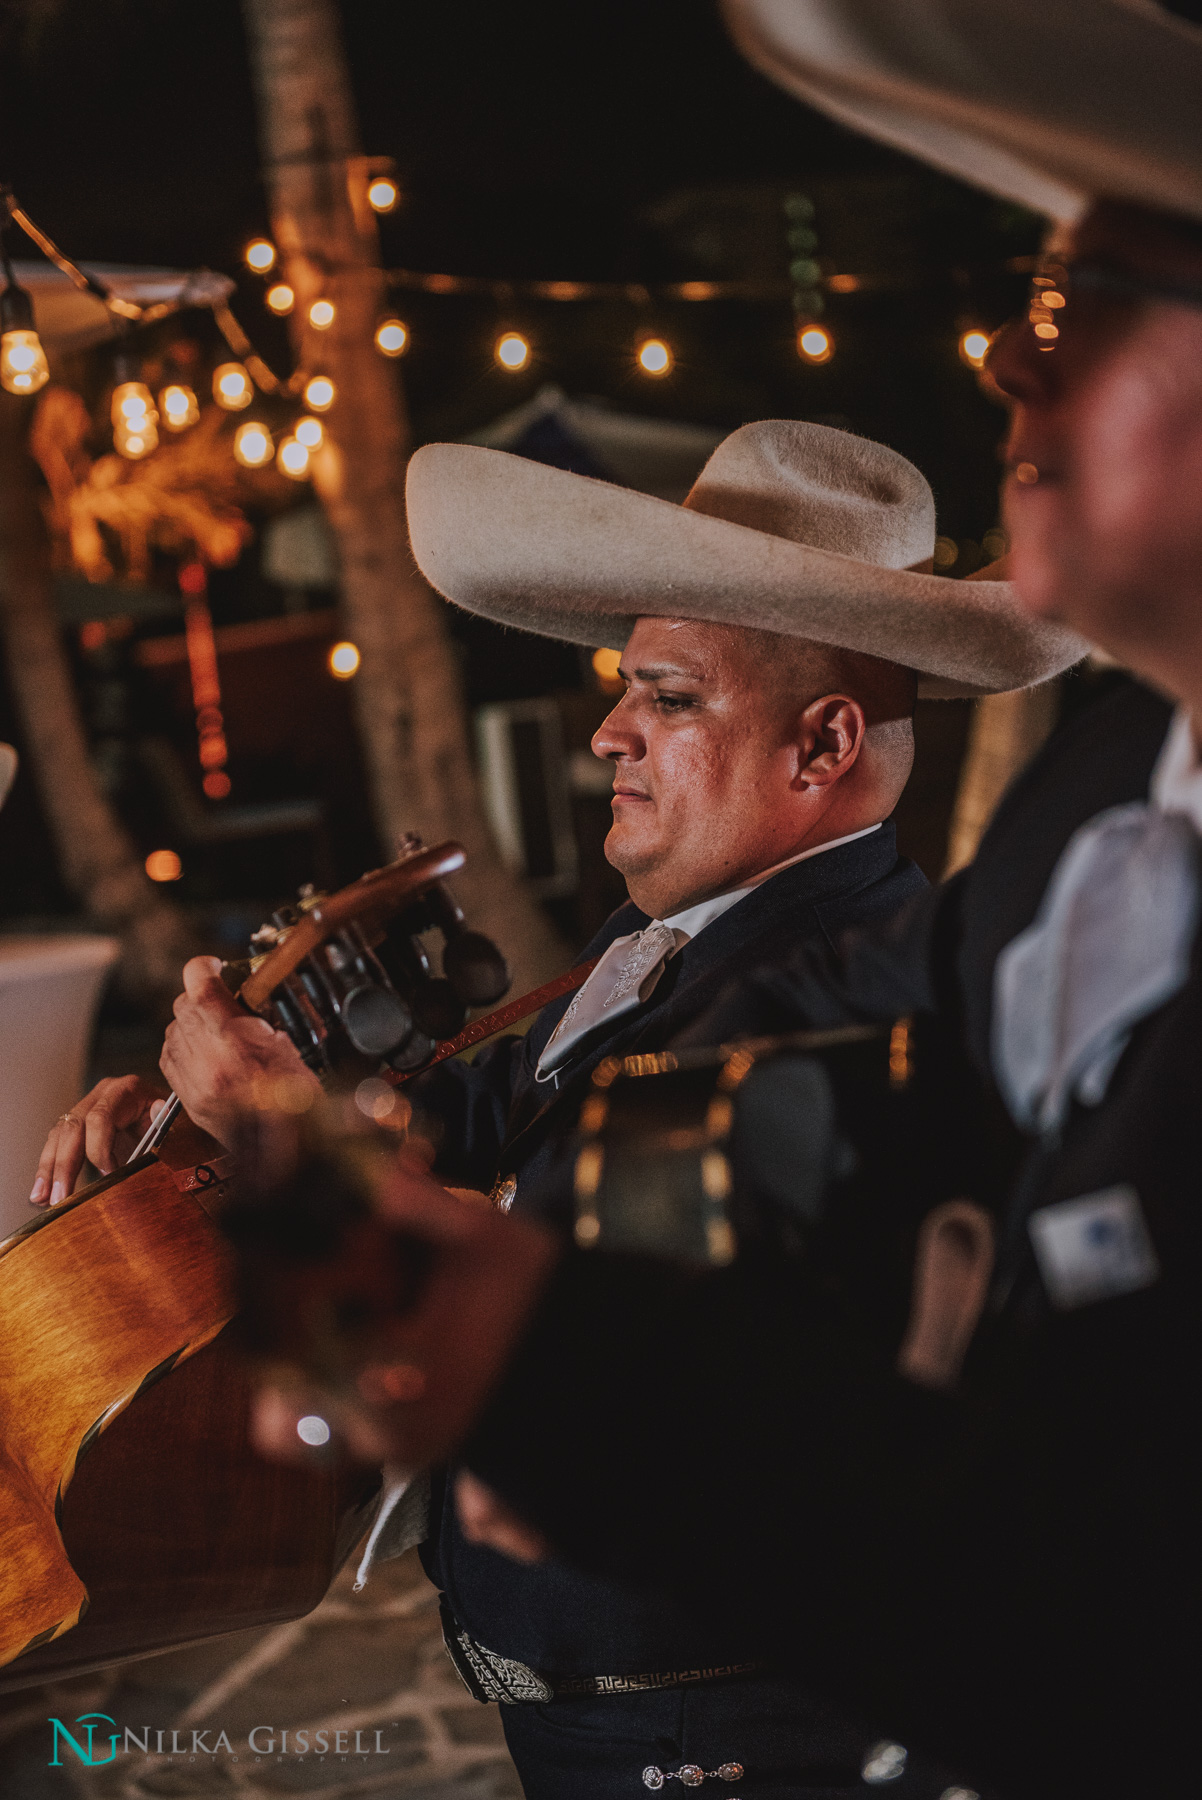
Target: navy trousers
789,1744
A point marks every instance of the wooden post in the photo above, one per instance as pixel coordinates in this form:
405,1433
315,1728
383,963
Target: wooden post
408,693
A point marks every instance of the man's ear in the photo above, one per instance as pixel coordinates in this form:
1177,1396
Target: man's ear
830,733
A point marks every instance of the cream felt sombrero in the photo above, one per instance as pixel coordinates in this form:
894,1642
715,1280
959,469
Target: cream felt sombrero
1053,103
790,527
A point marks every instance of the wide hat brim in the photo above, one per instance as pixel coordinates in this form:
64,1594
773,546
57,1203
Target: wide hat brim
569,557
1053,103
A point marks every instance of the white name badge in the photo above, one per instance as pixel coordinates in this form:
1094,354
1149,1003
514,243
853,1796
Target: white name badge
1094,1248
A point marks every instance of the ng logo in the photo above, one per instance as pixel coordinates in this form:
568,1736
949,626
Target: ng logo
86,1755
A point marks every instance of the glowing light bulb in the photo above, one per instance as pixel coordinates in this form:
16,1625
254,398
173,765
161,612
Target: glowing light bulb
281,298
135,443
654,357
164,865
320,393
232,387
512,351
391,337
260,255
23,368
216,784
974,347
309,432
605,668
814,344
383,194
132,403
344,660
178,407
321,315
292,459
252,445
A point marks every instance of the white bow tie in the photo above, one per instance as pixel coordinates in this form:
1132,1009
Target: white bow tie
625,976
1111,943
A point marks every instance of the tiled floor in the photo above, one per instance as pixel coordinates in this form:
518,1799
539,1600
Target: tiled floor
366,1670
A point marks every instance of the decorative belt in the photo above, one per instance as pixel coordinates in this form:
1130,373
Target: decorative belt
488,1676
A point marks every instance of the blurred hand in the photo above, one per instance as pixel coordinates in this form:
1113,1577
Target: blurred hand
485,1519
417,1402
104,1126
220,1059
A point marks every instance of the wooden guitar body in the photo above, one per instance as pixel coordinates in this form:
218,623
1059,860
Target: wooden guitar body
134,1514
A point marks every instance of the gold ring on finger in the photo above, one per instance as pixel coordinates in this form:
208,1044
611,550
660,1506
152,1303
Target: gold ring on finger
67,1119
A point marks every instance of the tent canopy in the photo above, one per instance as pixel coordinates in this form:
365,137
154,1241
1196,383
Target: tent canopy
70,319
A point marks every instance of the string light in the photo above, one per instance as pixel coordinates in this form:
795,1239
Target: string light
137,440
654,357
177,404
383,194
309,432
281,298
512,351
252,445
321,315
232,387
974,347
814,344
164,865
292,459
391,337
260,255
135,420
320,393
132,401
23,367
605,668
344,660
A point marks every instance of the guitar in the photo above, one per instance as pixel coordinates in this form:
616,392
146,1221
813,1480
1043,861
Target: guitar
133,1511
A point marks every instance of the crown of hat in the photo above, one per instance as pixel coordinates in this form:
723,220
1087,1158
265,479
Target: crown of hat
815,485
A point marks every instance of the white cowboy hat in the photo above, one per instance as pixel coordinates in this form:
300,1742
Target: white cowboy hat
8,770
1050,102
790,527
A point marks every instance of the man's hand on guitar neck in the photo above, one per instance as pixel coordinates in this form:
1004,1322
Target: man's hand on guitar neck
220,1059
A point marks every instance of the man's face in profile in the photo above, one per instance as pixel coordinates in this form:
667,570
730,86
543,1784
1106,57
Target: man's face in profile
1104,491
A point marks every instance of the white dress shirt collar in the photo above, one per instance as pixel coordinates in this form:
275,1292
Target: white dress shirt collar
1177,778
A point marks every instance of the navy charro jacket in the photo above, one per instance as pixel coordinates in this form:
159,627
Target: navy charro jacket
497,1120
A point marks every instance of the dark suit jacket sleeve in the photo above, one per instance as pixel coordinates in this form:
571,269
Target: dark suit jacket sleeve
466,1108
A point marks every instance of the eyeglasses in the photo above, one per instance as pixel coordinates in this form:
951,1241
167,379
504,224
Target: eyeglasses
1056,283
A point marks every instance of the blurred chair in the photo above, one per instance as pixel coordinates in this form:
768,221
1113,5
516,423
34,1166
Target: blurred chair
49,989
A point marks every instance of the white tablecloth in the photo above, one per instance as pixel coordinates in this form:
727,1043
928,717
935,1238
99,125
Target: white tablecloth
49,988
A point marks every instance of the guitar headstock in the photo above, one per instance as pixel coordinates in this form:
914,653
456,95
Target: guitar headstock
348,975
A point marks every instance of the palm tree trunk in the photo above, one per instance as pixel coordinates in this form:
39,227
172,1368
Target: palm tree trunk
99,861
408,693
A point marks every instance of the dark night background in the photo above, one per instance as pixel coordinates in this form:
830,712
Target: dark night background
606,141
616,142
